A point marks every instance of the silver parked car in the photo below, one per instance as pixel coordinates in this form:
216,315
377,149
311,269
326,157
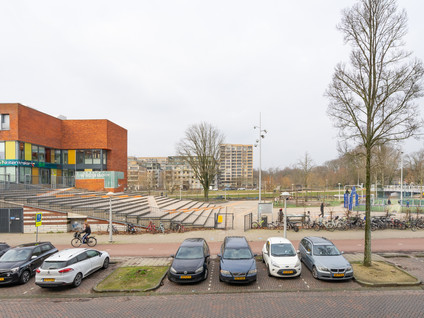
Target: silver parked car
323,259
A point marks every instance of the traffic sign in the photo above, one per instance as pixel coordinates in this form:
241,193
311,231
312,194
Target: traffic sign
38,219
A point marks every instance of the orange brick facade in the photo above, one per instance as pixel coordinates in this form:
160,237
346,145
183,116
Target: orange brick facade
31,126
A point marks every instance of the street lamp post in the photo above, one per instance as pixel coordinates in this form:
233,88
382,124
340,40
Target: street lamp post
401,180
285,196
339,191
259,142
109,194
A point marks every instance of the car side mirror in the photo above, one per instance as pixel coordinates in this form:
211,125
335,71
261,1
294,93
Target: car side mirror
219,255
208,255
172,255
308,252
298,252
254,255
33,257
341,252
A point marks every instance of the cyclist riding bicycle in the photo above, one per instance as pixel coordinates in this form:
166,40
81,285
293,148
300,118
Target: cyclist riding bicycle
87,231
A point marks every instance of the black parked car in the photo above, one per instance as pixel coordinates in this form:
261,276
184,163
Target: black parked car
18,264
3,248
191,262
237,262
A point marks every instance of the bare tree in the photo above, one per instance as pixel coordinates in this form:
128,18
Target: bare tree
306,165
201,149
371,99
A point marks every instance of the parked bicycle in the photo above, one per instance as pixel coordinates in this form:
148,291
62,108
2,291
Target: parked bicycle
131,229
114,229
77,241
177,227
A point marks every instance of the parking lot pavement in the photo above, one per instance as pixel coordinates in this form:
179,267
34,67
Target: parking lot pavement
264,283
413,264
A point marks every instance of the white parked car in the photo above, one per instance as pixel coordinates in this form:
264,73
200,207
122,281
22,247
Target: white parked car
280,257
70,266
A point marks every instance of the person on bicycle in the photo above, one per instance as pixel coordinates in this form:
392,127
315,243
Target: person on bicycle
87,231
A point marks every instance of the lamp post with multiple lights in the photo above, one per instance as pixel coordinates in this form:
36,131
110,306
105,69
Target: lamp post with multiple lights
262,133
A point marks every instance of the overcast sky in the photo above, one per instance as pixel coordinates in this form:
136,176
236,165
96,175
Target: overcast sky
157,67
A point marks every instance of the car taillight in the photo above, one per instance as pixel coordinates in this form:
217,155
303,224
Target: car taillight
38,270
65,270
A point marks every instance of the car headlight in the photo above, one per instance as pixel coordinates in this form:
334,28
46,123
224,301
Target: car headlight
297,263
14,270
224,272
274,264
172,270
348,269
252,271
323,269
199,270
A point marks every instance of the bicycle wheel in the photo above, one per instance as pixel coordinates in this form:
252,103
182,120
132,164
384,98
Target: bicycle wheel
317,227
255,225
76,242
330,227
91,241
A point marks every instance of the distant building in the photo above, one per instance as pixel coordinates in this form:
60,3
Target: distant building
165,173
236,166
36,148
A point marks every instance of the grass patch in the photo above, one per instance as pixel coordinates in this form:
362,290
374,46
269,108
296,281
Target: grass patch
381,273
133,278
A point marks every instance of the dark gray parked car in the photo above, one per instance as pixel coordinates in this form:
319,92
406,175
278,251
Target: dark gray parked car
323,259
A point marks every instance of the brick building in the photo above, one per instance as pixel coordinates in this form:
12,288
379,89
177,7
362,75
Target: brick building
38,148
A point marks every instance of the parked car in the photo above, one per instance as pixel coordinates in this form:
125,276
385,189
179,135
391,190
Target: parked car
237,263
324,260
281,258
191,263
18,264
70,266
3,248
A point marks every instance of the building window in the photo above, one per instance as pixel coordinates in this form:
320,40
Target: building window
21,151
57,155
80,156
96,157
4,122
34,150
41,154
65,157
2,152
88,157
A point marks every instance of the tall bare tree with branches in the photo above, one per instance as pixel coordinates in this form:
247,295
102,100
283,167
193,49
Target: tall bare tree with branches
372,98
201,149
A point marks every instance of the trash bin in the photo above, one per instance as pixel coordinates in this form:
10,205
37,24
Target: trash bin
264,220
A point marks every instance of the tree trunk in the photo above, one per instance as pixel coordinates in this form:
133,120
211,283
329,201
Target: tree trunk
367,247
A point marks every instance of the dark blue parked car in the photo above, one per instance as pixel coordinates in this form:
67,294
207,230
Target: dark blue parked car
237,262
191,263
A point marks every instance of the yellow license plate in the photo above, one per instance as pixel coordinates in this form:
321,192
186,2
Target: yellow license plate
185,277
338,275
287,272
239,278
48,280
1,278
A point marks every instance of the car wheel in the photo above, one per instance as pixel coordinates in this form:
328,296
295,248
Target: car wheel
269,272
25,276
106,263
206,274
263,259
314,272
77,280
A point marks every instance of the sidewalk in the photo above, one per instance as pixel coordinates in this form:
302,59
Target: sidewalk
164,245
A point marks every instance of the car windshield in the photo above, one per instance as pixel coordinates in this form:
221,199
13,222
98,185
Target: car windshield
326,250
237,253
53,264
282,250
189,252
17,255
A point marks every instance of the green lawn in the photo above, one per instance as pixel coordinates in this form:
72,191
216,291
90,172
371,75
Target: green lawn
133,278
